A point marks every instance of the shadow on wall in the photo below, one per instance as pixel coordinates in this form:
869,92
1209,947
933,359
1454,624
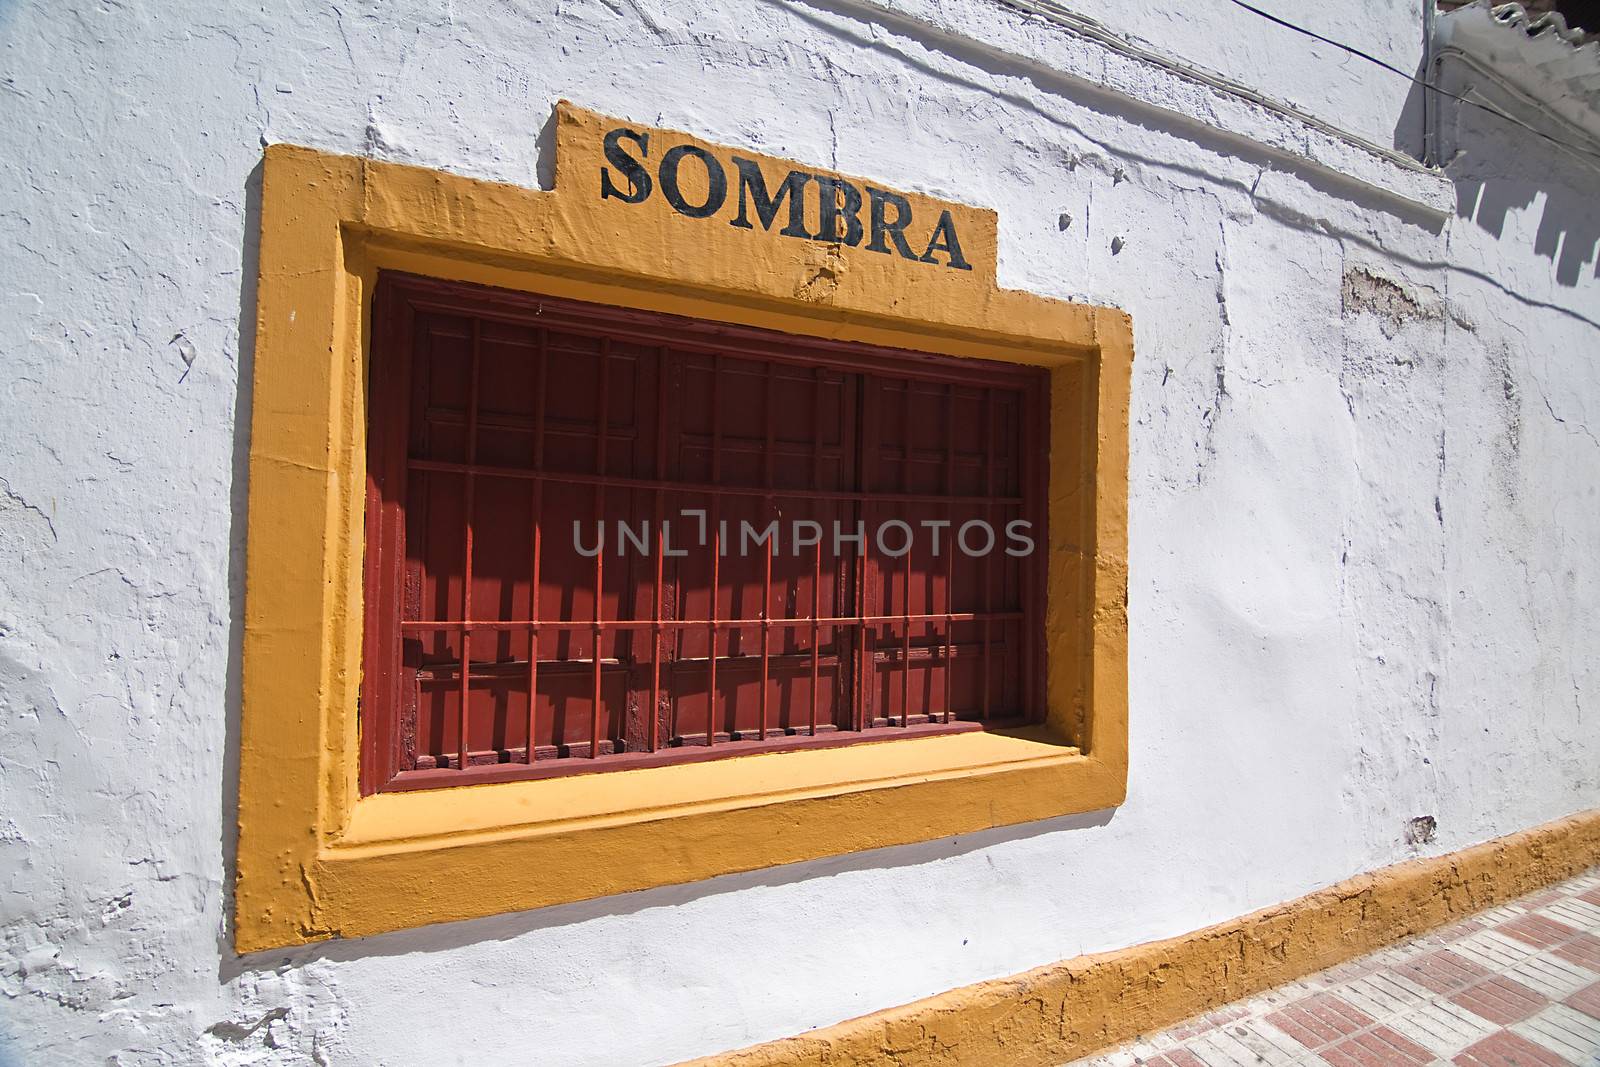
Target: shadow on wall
444,937
1498,166
1410,131
1569,227
238,507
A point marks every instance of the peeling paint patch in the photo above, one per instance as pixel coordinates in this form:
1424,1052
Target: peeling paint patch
1421,829
1508,408
237,1032
1365,292
13,501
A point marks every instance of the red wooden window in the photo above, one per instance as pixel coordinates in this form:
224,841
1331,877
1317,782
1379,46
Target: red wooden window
500,420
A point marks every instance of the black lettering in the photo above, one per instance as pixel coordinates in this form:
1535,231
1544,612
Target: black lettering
716,181
632,169
793,187
882,227
832,191
950,246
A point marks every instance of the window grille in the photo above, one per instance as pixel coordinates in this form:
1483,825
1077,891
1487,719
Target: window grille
511,434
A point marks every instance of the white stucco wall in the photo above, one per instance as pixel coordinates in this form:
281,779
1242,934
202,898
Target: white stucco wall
1290,67
1364,517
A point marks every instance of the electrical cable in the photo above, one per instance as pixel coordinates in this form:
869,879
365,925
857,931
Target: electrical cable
1270,17
1490,108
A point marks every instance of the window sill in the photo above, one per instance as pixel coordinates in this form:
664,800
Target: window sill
484,850
425,819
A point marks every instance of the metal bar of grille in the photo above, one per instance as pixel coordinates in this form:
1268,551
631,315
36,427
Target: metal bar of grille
580,428
716,547
816,629
602,431
905,647
866,468
491,765
507,669
656,632
1022,464
454,625
950,550
949,632
816,562
537,505
808,351
988,518
466,566
703,489
769,416
905,592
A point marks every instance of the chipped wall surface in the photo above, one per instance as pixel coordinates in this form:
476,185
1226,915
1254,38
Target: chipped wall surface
1363,513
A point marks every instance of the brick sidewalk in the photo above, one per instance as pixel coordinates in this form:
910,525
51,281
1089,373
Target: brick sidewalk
1518,986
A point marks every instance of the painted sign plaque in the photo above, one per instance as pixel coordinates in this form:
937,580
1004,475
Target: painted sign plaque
699,183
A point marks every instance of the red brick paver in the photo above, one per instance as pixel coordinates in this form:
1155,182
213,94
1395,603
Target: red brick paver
1584,950
1378,1047
1500,1000
1320,1020
1586,1000
1537,930
1506,1049
1178,1057
1443,971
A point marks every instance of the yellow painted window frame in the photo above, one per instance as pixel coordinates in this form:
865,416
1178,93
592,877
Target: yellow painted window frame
316,859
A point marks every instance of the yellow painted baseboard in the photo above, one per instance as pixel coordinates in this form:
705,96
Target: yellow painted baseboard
1084,1005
